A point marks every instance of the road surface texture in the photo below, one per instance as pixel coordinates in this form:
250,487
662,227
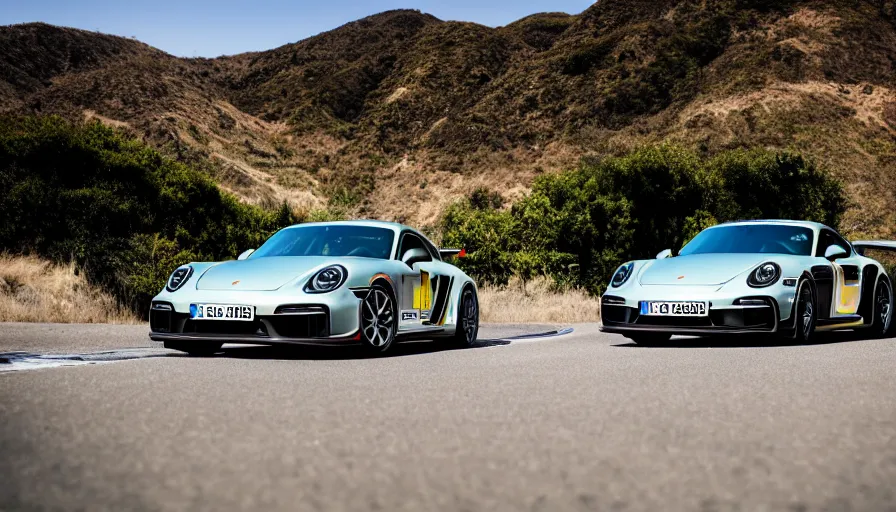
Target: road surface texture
585,421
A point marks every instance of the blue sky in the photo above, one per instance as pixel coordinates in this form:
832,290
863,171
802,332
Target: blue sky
207,28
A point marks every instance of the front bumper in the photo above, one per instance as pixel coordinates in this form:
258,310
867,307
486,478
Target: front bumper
623,317
324,319
255,340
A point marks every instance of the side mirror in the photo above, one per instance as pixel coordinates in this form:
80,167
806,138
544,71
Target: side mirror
664,254
417,255
834,252
245,254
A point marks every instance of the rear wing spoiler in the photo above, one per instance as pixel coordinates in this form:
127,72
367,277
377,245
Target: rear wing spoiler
884,245
451,253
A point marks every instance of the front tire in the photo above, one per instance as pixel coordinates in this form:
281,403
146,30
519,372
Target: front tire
195,348
378,319
882,319
806,313
467,329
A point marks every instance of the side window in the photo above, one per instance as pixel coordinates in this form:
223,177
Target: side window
825,240
410,241
828,238
842,243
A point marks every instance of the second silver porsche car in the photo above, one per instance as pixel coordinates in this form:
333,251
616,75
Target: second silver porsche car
787,277
335,283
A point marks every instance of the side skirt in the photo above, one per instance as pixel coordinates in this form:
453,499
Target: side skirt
840,322
424,333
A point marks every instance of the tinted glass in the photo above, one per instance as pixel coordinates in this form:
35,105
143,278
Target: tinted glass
828,238
336,241
752,238
410,241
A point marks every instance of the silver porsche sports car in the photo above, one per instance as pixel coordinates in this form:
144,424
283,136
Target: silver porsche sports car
788,277
333,283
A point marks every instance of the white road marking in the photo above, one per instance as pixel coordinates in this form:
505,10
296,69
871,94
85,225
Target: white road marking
18,361
530,338
14,363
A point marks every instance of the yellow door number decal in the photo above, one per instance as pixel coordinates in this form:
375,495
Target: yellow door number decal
423,293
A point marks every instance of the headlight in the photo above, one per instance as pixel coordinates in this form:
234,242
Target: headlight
622,275
327,279
764,275
178,278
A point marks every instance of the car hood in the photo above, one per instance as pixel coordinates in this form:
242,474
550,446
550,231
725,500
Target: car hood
259,274
700,269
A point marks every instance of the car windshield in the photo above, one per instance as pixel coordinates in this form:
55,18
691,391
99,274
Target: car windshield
752,238
329,240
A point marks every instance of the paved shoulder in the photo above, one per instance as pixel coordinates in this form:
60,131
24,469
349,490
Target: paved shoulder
71,338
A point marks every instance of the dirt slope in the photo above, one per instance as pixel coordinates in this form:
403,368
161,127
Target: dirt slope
398,114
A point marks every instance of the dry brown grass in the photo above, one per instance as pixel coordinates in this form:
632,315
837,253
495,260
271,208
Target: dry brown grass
536,302
35,290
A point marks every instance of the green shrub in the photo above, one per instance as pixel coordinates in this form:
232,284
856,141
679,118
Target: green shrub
587,55
761,184
487,235
482,198
579,226
680,53
124,213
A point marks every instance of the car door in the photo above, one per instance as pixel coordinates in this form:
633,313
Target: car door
419,283
846,276
441,282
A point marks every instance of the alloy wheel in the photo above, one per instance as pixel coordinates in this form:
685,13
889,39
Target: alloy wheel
378,318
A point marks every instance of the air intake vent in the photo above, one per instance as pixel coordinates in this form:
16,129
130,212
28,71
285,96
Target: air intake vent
300,310
752,302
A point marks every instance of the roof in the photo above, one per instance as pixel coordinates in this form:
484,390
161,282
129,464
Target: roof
783,222
369,223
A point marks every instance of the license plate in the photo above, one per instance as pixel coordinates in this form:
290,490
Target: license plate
222,312
685,308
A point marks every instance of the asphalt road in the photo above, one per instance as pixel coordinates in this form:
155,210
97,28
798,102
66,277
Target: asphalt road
579,422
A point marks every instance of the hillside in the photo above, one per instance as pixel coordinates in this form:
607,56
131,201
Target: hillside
399,114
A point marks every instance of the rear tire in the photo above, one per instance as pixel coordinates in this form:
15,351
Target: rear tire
467,329
652,338
882,320
195,348
806,313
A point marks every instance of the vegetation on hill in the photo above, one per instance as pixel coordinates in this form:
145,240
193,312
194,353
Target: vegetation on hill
323,82
541,31
35,53
579,226
125,214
